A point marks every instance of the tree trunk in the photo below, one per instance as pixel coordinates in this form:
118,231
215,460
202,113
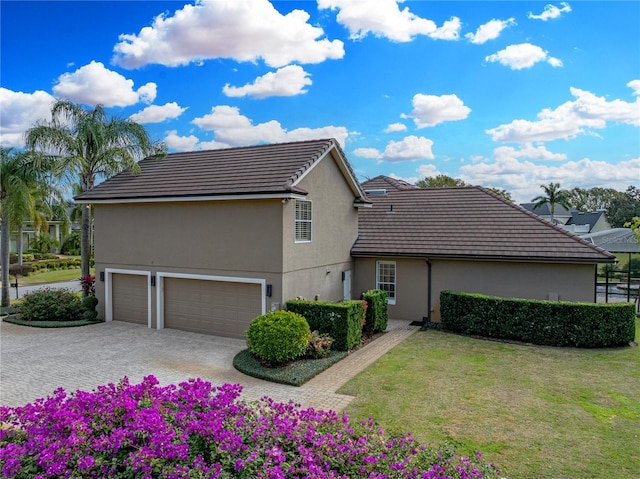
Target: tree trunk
85,242
19,245
4,253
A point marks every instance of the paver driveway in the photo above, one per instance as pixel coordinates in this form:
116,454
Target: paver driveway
34,362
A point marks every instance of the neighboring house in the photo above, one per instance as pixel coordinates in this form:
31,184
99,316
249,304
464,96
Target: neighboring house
572,220
587,222
206,241
29,233
561,215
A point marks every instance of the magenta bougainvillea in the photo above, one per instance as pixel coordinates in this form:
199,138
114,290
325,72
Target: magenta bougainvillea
195,430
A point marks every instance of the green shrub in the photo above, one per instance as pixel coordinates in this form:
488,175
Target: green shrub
89,302
22,270
49,304
342,321
550,323
278,336
377,316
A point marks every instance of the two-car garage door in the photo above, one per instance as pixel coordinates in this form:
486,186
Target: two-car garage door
200,304
211,307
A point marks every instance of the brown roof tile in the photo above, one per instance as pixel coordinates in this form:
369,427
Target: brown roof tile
386,183
263,169
463,222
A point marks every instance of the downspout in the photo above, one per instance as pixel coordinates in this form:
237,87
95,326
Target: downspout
427,318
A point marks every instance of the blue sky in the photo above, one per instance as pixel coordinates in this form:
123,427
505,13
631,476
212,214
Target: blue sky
504,94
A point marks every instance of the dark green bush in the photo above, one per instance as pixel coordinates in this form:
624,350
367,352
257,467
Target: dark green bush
278,336
550,323
342,321
89,302
22,270
49,304
377,317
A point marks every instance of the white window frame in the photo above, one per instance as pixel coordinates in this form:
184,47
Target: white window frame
381,284
308,221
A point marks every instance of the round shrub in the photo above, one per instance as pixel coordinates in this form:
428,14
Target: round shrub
89,302
49,304
278,336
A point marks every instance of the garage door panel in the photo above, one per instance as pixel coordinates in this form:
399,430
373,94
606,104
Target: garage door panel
129,298
211,307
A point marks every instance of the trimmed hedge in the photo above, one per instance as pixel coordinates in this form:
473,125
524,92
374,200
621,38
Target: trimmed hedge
550,323
377,315
342,321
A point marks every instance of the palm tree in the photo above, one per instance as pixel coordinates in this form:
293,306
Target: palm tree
87,147
19,174
553,196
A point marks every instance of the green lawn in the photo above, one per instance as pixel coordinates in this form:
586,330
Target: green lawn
538,412
43,277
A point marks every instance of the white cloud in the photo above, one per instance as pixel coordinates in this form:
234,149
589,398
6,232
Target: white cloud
287,81
242,30
385,19
394,127
93,84
234,129
411,148
523,178
527,150
523,55
635,86
430,110
181,143
372,153
158,113
490,30
551,11
20,111
570,119
424,171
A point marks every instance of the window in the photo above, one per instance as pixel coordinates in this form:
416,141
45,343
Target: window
303,221
386,279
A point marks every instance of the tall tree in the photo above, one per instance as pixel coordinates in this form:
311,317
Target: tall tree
89,146
20,172
500,192
624,208
439,181
593,199
553,196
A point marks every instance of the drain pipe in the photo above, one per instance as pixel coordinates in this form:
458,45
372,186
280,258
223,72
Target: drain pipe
427,319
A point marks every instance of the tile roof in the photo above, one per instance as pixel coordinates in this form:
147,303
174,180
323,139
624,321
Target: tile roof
386,183
545,209
464,222
253,170
585,218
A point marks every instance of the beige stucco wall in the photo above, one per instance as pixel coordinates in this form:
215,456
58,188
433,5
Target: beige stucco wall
334,230
220,238
566,282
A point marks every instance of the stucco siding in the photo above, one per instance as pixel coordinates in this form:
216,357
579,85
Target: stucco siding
565,282
334,230
218,235
334,224
554,281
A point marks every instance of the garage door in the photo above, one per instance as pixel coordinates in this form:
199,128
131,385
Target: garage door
129,297
211,307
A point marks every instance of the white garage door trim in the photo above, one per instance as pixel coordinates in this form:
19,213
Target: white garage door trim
225,279
108,289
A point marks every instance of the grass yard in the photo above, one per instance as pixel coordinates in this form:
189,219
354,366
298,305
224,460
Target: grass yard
538,412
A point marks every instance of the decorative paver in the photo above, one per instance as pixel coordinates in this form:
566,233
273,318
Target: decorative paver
34,362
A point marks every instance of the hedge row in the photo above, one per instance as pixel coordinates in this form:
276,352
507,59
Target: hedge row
342,321
548,323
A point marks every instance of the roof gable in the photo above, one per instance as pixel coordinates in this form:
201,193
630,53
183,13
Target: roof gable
264,170
386,183
464,222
